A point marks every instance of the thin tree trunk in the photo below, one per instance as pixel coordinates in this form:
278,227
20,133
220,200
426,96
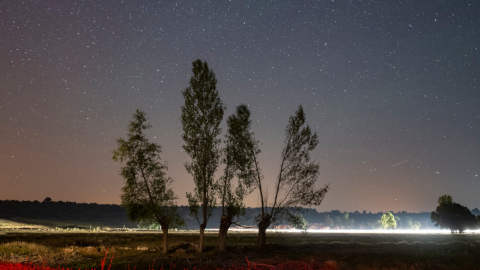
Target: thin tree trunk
202,230
165,239
225,223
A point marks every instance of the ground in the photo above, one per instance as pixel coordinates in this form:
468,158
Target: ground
85,249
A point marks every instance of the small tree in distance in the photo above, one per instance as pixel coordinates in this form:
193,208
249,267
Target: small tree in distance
388,221
147,195
298,222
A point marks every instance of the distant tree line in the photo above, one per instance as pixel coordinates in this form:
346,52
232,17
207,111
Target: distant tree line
111,215
74,214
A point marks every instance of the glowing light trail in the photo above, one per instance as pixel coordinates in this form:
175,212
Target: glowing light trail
398,163
354,231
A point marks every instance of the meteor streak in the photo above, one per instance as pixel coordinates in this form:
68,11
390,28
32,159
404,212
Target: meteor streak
398,163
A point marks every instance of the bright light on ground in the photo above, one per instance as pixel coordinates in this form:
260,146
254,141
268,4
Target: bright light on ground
355,231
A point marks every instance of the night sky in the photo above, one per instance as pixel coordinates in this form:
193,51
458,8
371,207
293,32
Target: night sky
391,88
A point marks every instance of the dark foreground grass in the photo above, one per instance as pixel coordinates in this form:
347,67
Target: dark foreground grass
314,251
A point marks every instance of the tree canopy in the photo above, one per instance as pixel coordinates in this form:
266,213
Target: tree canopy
298,222
453,216
298,174
147,195
445,199
388,221
201,117
235,158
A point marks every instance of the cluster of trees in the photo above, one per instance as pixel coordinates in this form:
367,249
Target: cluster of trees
339,221
453,216
147,194
389,221
110,215
68,214
372,221
386,221
311,219
448,215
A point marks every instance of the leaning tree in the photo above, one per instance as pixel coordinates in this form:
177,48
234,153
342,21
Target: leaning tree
201,118
298,174
235,158
147,195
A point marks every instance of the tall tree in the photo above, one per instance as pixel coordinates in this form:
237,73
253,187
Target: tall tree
147,195
201,117
295,184
236,158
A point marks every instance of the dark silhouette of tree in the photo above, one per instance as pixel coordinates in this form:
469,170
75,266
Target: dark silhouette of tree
201,117
453,216
295,185
236,158
445,199
47,200
147,195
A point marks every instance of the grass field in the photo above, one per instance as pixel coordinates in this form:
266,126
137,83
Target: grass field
316,250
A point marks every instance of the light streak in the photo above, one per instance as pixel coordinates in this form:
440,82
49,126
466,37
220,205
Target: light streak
398,163
399,231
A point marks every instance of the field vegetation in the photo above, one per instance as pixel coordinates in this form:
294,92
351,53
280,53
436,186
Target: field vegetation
81,250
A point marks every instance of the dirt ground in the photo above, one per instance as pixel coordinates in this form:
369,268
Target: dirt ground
85,250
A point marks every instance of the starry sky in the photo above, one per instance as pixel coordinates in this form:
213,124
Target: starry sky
391,88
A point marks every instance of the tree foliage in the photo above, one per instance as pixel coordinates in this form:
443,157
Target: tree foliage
445,199
388,221
453,216
147,195
297,221
329,221
348,223
295,185
407,223
201,116
235,158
